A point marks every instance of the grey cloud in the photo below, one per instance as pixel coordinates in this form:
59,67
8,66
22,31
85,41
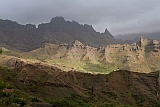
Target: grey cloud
119,16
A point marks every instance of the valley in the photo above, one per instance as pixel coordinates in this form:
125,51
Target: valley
52,85
66,64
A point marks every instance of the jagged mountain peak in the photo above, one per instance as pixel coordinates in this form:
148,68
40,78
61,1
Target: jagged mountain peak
58,19
77,43
57,31
106,32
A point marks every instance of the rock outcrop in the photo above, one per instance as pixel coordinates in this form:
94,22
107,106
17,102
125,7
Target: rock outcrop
149,45
140,56
15,63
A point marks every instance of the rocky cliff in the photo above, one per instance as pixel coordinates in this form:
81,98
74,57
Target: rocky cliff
142,56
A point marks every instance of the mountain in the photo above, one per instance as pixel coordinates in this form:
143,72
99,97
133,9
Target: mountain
67,64
95,77
142,56
57,31
131,38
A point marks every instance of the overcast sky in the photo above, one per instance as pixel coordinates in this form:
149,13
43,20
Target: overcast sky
118,16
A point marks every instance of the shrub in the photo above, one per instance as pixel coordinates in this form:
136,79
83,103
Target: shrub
107,105
21,102
3,94
70,103
35,100
0,50
3,85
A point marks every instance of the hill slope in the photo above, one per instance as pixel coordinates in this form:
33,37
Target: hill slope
142,56
117,88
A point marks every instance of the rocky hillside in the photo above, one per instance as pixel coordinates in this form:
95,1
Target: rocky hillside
142,56
57,31
117,88
37,77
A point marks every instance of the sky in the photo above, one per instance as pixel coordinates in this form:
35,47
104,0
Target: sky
118,16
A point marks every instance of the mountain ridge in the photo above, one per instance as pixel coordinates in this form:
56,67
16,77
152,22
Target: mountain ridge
58,30
142,56
131,38
40,75
113,57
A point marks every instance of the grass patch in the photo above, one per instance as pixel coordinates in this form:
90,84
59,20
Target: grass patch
98,68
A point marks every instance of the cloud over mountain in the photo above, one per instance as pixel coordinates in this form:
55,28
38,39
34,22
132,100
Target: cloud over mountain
119,16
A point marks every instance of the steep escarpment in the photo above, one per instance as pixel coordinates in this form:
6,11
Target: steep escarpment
118,88
57,31
142,56
67,56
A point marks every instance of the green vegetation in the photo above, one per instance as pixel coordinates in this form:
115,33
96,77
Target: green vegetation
113,105
107,105
99,68
10,96
3,85
70,103
0,50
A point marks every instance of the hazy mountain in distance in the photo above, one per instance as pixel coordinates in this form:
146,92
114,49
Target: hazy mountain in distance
131,38
57,31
